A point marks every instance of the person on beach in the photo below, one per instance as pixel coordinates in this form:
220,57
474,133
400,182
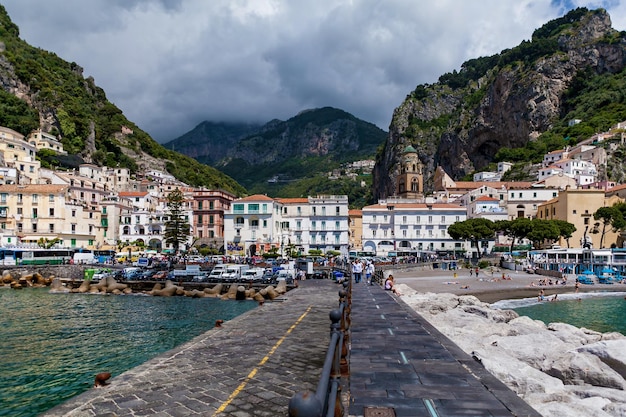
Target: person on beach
471,272
577,286
541,296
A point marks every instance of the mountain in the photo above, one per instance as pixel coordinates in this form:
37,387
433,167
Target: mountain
514,105
211,141
275,158
39,90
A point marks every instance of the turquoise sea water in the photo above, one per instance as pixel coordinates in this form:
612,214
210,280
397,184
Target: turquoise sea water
52,345
602,312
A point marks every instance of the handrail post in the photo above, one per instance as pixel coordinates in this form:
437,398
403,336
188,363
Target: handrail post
326,400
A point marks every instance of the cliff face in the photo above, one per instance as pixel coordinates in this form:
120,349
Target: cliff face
461,127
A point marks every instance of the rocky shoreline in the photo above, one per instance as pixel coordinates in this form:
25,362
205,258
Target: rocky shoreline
558,369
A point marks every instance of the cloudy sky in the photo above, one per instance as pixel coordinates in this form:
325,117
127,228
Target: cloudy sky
171,64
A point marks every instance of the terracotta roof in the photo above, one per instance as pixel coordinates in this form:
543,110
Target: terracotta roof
486,198
472,185
355,212
256,197
293,200
33,188
133,193
400,206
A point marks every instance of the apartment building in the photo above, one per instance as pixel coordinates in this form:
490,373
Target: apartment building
396,226
209,207
17,153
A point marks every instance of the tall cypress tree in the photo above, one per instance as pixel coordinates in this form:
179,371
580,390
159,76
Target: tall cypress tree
177,226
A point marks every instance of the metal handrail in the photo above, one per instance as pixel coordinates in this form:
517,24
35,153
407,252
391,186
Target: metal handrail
325,400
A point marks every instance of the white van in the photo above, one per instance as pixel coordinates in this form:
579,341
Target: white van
217,272
234,272
253,274
81,258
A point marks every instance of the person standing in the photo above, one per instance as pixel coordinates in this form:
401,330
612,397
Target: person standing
357,270
369,272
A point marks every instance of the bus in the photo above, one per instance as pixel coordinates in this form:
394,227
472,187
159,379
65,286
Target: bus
19,256
361,254
104,256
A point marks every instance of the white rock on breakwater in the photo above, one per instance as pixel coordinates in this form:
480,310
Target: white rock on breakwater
558,369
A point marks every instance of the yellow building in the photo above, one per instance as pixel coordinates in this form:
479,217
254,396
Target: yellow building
577,207
33,212
19,154
355,226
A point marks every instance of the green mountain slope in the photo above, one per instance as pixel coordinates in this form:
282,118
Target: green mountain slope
515,105
289,158
41,90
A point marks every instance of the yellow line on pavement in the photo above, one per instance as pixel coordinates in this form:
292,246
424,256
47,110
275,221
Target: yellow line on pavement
261,363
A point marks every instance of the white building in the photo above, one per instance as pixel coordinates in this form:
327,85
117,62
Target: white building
257,224
396,226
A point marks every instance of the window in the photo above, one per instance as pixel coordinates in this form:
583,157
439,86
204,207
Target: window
374,218
51,212
430,219
337,210
417,219
19,210
34,213
313,225
264,207
443,219
239,221
238,208
253,208
72,242
586,220
385,218
211,205
51,228
211,219
3,198
199,205
91,214
73,227
299,210
199,218
73,213
337,225
34,227
265,224
323,211
20,198
457,218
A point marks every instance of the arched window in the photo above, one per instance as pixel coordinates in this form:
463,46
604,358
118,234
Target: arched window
414,185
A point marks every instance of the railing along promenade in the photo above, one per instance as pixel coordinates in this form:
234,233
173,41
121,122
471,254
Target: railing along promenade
326,400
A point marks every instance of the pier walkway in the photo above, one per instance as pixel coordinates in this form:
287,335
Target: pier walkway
253,364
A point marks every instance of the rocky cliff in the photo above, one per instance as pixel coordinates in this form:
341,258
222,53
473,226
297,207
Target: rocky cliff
505,100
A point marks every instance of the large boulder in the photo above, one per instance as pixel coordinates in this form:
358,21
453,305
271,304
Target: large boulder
610,352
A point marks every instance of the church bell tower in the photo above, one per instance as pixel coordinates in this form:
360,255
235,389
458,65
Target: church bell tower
411,178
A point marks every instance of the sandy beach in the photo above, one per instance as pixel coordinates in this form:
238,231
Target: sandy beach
489,287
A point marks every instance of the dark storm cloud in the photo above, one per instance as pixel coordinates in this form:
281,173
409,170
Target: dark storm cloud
171,64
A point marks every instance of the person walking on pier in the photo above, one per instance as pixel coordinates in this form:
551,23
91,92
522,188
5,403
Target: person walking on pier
357,270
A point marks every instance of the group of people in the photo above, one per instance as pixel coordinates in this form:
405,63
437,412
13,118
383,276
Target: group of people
359,267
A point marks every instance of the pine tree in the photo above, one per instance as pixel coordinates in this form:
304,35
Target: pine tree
177,226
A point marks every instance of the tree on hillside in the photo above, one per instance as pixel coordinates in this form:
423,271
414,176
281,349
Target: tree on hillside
473,230
177,226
